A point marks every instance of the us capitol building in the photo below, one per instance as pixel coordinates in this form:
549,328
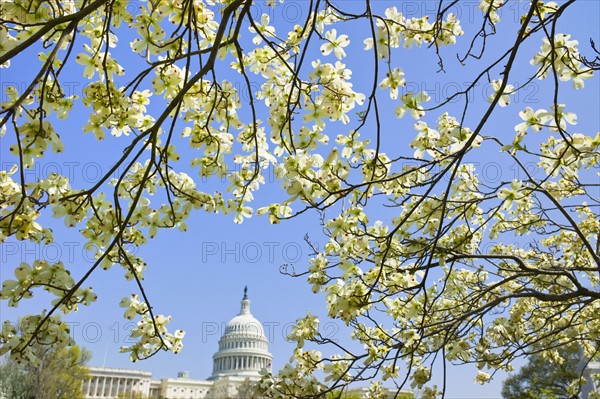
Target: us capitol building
243,353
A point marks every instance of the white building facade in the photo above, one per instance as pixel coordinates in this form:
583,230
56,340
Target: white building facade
112,383
591,375
243,353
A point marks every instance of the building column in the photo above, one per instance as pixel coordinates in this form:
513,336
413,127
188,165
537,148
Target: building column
96,382
98,387
118,386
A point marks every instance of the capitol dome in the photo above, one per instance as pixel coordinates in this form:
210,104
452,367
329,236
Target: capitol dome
243,348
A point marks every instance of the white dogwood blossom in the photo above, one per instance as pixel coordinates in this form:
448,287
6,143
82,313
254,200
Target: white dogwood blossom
335,43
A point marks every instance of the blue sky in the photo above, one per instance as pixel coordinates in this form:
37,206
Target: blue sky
198,277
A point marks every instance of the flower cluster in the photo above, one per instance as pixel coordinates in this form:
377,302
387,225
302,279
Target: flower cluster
396,29
561,56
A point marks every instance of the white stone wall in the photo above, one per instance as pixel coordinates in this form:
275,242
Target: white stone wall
109,383
183,388
593,368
